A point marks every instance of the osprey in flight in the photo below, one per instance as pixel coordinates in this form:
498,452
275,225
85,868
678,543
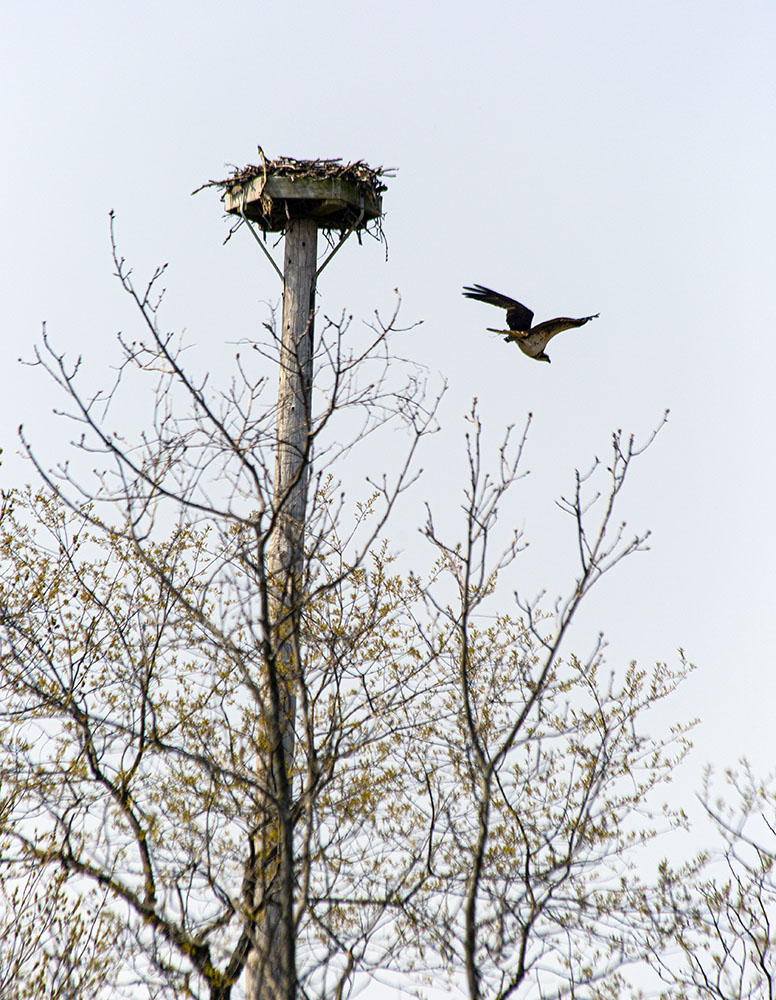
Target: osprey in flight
530,340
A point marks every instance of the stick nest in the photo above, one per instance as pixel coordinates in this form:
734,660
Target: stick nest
359,173
271,213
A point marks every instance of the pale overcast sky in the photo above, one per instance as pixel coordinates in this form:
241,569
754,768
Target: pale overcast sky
606,156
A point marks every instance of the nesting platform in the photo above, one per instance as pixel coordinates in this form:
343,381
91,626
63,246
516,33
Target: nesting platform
338,196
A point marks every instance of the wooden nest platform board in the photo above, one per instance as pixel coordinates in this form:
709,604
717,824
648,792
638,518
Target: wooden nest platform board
337,195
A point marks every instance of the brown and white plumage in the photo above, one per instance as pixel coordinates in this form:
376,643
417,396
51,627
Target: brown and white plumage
530,340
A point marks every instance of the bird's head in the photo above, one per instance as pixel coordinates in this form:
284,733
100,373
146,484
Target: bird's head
542,357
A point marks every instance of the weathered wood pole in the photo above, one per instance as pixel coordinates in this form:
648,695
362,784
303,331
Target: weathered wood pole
294,397
271,965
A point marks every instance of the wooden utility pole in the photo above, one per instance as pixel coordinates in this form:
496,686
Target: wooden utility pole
294,397
271,965
296,197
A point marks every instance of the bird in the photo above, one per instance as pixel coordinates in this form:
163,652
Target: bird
530,340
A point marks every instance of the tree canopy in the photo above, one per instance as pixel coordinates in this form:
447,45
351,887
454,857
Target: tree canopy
462,800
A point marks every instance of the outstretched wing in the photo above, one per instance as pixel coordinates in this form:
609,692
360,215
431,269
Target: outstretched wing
519,317
550,327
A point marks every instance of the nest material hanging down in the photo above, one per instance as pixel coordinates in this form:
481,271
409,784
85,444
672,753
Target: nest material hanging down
340,196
